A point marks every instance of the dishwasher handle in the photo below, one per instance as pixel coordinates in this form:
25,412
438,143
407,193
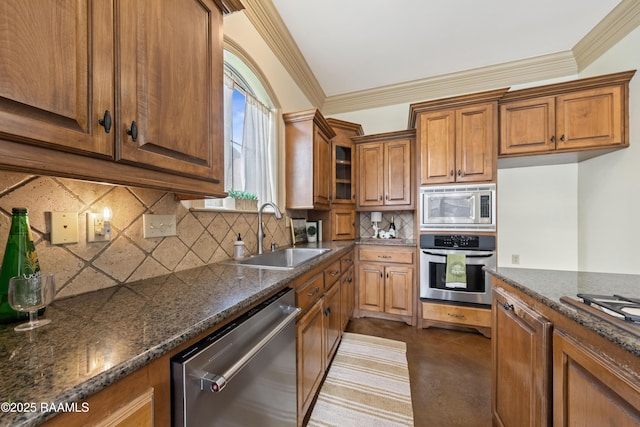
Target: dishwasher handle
216,382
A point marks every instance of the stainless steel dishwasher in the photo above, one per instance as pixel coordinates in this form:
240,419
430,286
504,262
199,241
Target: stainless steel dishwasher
243,374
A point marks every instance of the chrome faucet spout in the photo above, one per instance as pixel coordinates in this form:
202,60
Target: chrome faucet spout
278,215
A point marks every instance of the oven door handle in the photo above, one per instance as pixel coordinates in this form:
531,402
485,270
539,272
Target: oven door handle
470,254
216,382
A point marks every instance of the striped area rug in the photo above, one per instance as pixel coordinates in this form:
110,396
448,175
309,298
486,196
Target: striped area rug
367,385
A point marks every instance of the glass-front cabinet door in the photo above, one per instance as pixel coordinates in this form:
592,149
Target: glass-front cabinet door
343,173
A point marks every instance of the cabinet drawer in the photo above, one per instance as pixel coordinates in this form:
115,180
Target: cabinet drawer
310,292
385,255
346,262
456,314
331,274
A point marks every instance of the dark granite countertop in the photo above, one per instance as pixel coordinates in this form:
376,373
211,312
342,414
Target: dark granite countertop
97,338
386,242
547,286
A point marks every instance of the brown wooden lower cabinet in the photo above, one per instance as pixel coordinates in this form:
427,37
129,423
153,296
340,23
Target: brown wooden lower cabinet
385,282
311,361
320,327
549,370
589,389
521,381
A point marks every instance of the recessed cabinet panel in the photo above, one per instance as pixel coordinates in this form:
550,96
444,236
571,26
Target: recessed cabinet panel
521,384
475,141
170,86
527,126
590,118
371,167
398,172
437,145
53,90
385,171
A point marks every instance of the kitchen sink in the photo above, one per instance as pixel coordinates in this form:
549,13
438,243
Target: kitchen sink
283,259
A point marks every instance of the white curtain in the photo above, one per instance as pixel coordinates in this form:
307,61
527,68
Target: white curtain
259,150
228,123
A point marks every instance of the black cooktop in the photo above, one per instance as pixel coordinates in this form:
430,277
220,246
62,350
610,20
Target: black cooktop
617,305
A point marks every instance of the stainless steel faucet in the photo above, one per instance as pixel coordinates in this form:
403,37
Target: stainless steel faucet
261,226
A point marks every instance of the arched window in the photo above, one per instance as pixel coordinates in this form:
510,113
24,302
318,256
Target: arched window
251,146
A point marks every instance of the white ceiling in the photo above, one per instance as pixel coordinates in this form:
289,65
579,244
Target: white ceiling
355,45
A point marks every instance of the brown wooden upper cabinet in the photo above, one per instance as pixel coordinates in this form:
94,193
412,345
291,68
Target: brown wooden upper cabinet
578,115
308,160
385,171
66,68
457,137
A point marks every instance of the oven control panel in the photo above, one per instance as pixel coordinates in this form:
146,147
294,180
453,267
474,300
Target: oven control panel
463,241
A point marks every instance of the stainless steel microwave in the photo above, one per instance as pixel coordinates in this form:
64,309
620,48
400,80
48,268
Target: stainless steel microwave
458,207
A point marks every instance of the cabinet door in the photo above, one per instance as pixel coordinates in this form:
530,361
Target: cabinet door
170,85
436,133
342,173
397,172
310,343
521,383
590,118
333,320
528,126
347,291
398,290
371,287
371,174
321,169
475,142
590,390
57,68
344,224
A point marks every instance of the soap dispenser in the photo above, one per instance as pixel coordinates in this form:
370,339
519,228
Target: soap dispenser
238,248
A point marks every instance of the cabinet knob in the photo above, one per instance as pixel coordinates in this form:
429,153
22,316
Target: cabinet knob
553,138
459,172
451,172
133,131
105,121
507,306
562,138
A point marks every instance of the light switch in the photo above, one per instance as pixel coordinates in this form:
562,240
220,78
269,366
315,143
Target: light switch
159,225
64,228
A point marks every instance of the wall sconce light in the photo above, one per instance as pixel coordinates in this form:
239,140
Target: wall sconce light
99,226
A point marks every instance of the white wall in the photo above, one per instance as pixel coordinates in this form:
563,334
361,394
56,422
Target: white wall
538,217
609,186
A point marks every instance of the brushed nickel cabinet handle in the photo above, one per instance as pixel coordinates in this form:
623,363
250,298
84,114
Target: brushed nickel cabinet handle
507,306
457,316
315,291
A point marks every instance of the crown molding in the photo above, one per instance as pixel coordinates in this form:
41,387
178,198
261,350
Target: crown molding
623,19
614,27
479,79
265,18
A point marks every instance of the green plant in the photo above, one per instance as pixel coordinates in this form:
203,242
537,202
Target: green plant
242,195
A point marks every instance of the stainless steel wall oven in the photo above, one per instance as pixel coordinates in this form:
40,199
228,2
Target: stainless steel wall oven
477,251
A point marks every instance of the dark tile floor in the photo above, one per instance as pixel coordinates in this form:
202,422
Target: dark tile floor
450,372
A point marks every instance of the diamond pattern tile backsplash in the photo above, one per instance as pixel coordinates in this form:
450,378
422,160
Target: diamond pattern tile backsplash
404,221
202,237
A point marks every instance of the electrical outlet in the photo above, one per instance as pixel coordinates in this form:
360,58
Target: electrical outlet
98,230
158,225
515,259
64,228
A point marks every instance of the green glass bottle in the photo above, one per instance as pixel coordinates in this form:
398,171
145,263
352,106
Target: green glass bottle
20,259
